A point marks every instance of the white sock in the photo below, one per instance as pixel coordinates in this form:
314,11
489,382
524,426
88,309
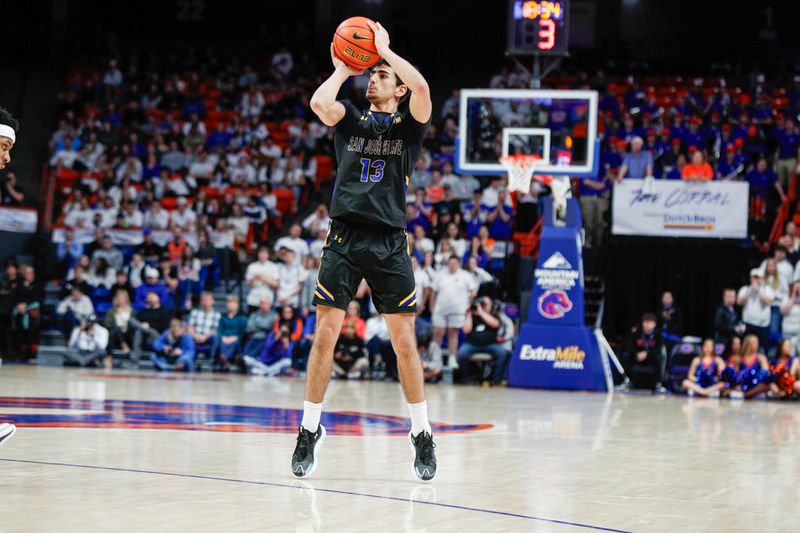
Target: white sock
419,418
311,414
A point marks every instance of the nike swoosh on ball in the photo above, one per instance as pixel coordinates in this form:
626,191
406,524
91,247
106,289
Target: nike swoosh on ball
358,37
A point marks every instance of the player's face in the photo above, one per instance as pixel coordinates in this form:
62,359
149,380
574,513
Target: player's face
5,151
383,86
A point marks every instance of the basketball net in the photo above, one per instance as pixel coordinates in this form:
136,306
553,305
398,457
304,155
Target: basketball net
522,169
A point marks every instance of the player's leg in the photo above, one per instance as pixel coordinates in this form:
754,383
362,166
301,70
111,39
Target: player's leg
320,360
404,341
391,280
311,433
409,365
336,283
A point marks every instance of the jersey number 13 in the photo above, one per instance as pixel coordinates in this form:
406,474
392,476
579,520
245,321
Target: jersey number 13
372,170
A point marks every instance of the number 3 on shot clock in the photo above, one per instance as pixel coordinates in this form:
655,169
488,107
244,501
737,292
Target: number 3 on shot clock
538,27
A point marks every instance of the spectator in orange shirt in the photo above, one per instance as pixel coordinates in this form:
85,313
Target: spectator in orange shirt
176,246
353,316
697,169
436,189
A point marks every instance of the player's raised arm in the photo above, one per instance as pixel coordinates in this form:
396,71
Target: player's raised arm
420,104
323,101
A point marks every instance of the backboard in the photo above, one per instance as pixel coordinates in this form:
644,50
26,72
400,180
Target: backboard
558,125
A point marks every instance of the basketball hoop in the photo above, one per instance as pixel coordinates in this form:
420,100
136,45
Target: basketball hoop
520,170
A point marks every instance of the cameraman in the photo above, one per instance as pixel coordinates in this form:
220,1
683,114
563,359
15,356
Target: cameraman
276,355
481,327
88,342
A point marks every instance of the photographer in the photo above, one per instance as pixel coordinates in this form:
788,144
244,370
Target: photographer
276,355
175,349
481,327
88,342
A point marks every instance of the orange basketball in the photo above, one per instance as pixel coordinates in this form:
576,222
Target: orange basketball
354,43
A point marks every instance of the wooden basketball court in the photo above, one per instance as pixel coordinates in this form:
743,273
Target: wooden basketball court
127,451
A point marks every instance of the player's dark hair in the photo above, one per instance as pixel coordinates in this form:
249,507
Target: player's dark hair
8,119
454,256
649,317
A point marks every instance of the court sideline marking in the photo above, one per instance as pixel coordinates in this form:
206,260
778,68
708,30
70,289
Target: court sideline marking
330,491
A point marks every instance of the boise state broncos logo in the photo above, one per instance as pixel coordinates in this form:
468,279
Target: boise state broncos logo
554,304
31,412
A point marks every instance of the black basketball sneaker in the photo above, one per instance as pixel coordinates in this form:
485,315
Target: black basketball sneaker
6,432
304,459
424,457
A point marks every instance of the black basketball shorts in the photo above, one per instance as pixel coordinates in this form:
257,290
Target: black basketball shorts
378,254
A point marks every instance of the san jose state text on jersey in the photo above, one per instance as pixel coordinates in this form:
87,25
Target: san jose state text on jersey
375,152
375,146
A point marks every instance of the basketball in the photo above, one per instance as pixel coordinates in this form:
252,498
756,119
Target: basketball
354,43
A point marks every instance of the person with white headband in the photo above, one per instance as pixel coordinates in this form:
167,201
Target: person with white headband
8,136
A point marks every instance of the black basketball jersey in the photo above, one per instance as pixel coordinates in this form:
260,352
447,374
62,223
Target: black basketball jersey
375,152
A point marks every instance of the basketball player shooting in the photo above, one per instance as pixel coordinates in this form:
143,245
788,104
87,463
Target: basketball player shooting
8,136
376,150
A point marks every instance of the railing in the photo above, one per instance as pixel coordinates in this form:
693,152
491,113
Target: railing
783,211
529,241
780,220
47,197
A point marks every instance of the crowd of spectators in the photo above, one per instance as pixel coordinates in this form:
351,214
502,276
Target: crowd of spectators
165,171
168,177
691,130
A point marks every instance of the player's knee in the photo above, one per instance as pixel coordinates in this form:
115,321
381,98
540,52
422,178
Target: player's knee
406,346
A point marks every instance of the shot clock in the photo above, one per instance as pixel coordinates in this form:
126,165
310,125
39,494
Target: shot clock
538,27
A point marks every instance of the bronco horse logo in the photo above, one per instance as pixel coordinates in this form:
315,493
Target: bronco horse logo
554,304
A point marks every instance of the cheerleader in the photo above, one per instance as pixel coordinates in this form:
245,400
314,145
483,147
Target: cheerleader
785,370
704,377
753,376
733,347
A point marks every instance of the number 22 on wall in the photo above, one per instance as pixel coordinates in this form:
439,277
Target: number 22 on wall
372,170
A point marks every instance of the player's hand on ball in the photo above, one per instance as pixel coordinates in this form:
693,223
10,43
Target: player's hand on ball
381,37
338,64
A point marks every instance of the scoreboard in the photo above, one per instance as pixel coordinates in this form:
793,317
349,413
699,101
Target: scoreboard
538,27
